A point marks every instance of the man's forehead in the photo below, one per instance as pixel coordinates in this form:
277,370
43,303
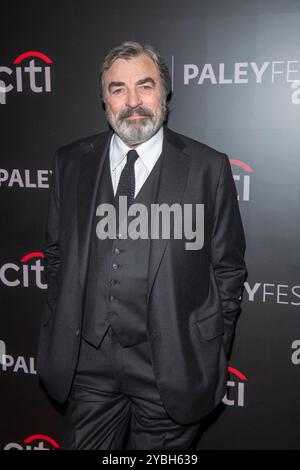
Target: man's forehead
139,67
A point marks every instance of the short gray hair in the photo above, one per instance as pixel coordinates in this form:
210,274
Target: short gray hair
130,49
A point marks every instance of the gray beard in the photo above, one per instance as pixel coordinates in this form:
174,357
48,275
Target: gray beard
136,132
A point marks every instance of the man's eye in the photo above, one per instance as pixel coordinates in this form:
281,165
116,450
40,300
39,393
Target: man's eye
147,87
115,92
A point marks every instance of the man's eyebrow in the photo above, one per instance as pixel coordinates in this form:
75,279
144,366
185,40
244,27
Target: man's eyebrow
146,80
139,82
113,84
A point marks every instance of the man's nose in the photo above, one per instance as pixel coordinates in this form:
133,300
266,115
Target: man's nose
133,99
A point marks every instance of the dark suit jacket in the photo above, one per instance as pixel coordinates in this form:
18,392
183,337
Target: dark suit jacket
193,296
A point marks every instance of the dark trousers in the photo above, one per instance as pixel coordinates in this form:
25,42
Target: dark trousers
115,404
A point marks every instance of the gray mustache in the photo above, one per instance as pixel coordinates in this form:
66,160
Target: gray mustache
138,112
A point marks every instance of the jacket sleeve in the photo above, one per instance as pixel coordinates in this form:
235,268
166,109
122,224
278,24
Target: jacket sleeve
52,245
228,249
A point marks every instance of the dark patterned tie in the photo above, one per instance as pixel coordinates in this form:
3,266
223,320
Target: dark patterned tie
126,186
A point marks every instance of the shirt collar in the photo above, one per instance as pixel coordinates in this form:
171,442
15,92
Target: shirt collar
147,151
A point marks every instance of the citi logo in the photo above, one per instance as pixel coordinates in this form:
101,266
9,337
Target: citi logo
31,70
34,442
26,273
243,180
237,387
16,364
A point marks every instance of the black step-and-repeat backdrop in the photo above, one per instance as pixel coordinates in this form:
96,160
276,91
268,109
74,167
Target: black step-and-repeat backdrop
235,69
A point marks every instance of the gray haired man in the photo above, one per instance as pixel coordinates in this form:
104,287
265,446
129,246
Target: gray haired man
137,332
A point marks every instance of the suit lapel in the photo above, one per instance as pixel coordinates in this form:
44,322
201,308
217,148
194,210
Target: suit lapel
172,181
91,166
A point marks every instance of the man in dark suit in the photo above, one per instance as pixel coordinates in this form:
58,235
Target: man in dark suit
136,333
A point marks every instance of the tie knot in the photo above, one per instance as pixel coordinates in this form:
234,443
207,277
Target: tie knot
132,156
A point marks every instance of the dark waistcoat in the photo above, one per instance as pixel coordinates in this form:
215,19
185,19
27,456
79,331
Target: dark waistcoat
116,291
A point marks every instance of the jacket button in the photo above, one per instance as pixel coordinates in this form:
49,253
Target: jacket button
77,332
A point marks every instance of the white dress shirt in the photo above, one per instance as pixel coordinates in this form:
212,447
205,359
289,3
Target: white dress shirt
148,151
